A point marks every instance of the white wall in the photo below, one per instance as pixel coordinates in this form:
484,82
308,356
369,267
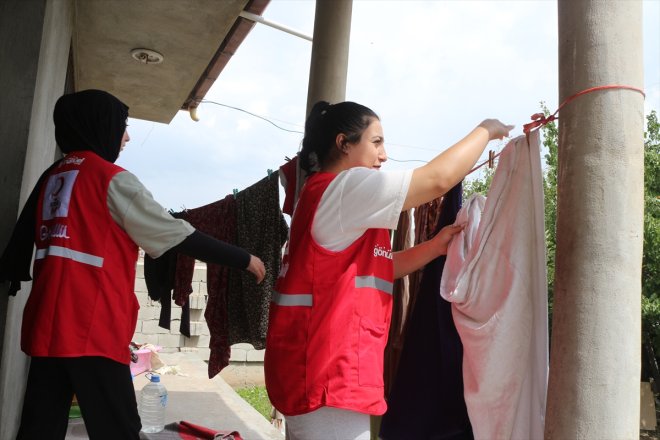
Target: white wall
36,37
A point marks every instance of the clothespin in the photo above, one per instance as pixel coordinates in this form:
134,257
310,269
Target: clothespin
235,191
269,172
491,159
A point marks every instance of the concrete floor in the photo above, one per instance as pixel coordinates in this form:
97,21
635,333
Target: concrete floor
195,398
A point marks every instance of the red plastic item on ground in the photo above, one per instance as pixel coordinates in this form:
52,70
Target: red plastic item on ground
190,431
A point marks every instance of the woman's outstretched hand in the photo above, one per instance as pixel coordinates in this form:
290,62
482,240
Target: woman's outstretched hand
496,129
257,268
442,238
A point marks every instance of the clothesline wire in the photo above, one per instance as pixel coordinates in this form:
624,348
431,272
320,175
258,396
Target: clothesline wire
539,119
206,101
484,163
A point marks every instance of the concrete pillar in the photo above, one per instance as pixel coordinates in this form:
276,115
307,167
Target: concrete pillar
329,65
35,37
18,73
593,390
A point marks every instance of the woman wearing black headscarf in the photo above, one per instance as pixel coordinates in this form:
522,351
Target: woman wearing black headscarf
87,217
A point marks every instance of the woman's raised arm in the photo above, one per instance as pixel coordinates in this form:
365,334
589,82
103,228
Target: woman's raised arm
452,165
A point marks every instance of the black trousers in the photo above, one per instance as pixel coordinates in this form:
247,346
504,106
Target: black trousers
105,394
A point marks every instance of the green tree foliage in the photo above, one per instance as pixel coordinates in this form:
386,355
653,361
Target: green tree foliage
479,184
550,142
651,260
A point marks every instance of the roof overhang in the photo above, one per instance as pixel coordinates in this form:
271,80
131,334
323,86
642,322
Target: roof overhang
195,37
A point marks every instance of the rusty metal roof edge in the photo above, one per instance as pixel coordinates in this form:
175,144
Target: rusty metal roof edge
230,44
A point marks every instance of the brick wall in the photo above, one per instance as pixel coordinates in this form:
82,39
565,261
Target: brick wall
148,331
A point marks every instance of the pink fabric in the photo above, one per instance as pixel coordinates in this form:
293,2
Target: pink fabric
495,277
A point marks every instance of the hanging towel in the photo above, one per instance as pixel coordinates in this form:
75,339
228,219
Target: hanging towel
426,398
495,277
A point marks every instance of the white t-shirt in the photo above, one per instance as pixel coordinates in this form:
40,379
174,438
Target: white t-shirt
356,200
148,224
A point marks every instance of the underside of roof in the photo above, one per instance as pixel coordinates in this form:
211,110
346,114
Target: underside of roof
196,39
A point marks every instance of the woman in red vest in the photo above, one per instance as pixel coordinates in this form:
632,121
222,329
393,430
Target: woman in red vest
87,217
330,313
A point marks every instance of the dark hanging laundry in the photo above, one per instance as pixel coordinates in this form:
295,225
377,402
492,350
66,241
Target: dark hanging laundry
261,230
237,307
217,219
426,399
159,276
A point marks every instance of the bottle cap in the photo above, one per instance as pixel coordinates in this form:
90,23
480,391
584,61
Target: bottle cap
153,377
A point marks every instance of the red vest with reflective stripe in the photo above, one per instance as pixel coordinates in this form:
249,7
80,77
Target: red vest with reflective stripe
82,301
329,318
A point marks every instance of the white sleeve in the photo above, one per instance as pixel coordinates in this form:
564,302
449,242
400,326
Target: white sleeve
148,224
356,200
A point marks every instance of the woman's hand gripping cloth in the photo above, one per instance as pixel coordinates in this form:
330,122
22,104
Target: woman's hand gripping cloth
495,276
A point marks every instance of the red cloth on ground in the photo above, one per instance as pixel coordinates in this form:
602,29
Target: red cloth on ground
189,431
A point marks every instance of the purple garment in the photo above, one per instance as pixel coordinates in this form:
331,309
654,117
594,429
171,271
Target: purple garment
426,399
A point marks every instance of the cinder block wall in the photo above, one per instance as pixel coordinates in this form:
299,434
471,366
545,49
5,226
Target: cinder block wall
147,330
246,363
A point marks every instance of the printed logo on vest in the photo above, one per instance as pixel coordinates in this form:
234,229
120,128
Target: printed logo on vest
57,231
58,194
75,160
382,252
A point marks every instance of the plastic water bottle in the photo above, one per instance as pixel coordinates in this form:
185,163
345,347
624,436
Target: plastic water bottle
153,400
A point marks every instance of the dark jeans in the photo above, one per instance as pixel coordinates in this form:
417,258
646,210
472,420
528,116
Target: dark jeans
104,390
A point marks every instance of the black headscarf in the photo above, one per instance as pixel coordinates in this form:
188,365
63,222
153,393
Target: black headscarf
91,120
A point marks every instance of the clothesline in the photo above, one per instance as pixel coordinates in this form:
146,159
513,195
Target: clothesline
539,119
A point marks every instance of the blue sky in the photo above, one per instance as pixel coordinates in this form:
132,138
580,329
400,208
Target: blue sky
432,70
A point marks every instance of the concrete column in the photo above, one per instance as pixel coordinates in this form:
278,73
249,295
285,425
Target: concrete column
593,390
35,37
329,65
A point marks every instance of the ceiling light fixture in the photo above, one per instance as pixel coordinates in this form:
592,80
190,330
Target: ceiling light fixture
147,56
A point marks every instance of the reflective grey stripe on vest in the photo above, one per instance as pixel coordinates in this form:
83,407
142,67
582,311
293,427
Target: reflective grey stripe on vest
284,299
63,252
375,283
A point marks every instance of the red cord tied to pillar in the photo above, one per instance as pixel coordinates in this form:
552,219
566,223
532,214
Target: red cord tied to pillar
539,119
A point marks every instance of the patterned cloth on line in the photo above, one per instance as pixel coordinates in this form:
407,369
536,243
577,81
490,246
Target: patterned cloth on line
261,230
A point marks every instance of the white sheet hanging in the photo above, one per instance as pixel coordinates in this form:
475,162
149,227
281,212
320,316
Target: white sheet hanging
495,276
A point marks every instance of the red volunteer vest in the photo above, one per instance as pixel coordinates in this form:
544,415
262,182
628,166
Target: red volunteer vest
82,301
329,318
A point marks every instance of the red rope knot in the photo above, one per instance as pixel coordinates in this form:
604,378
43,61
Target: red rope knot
538,120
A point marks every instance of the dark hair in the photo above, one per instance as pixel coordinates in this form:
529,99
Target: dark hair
324,123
